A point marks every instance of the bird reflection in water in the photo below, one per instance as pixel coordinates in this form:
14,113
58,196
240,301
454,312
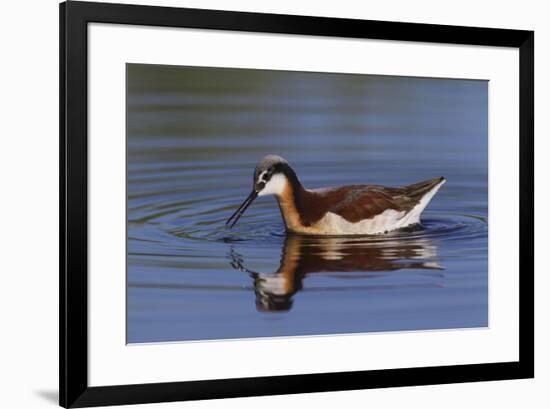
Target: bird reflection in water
363,256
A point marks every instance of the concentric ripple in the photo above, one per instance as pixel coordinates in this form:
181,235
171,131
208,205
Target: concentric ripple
175,230
204,219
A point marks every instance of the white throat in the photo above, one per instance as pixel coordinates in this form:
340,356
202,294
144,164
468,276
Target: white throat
275,186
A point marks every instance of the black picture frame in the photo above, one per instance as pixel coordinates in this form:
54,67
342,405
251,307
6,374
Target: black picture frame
73,348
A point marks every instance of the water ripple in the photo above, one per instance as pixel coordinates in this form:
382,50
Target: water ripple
203,218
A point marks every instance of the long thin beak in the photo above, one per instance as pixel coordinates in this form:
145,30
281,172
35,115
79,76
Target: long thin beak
239,212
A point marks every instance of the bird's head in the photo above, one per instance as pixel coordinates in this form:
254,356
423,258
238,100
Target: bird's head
270,178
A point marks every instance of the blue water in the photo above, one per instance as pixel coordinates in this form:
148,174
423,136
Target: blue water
194,137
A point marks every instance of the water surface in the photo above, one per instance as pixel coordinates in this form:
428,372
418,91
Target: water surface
194,137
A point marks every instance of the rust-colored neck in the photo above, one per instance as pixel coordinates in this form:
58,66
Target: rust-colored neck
289,209
300,207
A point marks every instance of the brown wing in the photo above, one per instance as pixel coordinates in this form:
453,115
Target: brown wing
360,202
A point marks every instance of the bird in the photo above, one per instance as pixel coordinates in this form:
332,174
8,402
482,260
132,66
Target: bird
345,210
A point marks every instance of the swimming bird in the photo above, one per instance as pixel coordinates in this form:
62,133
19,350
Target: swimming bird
346,210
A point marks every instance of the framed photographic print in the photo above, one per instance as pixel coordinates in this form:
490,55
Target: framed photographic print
257,204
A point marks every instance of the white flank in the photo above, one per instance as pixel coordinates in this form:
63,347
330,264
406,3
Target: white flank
386,221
